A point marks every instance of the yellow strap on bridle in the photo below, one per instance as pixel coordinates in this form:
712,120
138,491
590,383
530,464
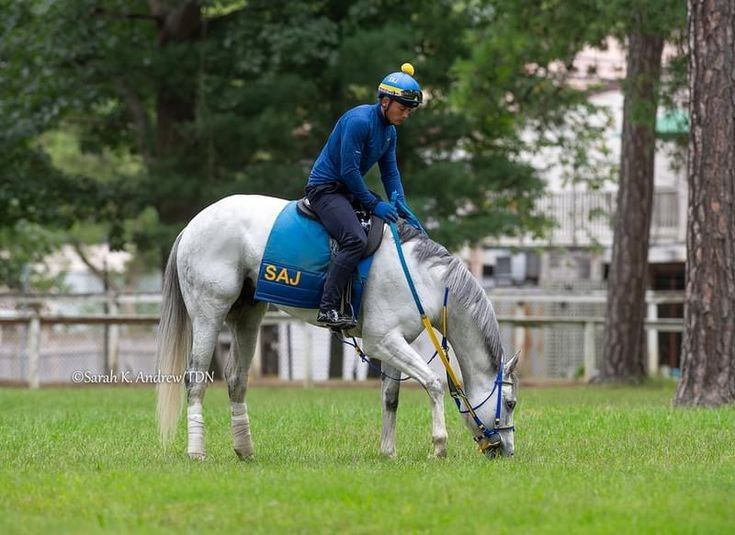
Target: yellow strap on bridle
440,350
450,372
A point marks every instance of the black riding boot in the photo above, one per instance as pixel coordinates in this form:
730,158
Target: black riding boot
329,309
338,217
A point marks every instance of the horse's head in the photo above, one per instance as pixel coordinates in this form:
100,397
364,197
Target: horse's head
495,432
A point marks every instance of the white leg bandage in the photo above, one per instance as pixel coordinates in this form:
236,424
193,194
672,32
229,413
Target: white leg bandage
241,440
196,429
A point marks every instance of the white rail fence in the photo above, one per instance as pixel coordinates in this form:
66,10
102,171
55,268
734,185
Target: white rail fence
45,339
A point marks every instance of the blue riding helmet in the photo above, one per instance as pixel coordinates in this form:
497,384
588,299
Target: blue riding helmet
402,87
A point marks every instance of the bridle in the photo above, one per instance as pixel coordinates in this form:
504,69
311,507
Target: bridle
489,437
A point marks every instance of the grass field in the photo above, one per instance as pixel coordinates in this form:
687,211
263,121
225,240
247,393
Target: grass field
606,460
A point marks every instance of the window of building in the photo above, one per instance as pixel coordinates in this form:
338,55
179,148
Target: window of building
502,266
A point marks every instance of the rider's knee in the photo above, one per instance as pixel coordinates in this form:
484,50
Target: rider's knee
355,242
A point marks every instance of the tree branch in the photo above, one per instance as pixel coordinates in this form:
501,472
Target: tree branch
100,273
156,8
140,117
124,15
216,22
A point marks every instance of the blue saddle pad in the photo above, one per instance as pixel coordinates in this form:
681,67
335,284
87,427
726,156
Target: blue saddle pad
295,263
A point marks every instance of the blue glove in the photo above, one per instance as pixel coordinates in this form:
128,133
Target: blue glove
405,212
386,211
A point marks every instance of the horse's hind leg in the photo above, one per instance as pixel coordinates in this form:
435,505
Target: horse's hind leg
244,322
390,389
205,331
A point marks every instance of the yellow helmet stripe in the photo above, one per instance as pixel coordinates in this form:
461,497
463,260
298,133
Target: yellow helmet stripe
393,90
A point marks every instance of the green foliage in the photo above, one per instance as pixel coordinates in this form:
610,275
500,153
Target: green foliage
517,76
23,246
169,111
599,460
246,104
36,203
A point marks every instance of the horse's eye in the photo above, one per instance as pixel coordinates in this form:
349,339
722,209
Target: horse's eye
510,404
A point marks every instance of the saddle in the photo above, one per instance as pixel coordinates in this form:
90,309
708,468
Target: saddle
372,224
297,256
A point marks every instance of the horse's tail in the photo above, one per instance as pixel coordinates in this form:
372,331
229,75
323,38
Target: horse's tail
174,346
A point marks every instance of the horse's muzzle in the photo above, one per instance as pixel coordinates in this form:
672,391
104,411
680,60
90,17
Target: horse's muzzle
493,447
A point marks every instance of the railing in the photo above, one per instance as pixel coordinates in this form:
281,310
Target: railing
520,323
590,308
35,320
653,327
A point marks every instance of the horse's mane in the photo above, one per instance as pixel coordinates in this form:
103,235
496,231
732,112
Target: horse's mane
464,288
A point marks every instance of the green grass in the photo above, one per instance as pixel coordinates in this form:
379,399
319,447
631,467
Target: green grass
609,460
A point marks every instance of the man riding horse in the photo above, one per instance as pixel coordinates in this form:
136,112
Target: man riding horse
363,136
239,244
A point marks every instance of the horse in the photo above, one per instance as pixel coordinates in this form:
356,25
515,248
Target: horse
209,279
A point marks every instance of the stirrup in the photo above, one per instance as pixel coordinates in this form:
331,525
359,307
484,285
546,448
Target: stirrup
334,319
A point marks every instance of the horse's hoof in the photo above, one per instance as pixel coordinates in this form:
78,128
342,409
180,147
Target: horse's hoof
245,456
197,456
390,455
439,453
440,447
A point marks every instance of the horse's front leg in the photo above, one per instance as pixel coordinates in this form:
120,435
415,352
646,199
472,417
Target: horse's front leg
396,351
390,388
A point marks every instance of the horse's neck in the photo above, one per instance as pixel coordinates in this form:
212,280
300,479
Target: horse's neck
469,348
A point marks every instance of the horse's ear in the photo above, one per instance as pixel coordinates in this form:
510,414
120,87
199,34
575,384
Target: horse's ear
512,363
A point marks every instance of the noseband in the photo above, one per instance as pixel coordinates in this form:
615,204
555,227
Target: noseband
490,437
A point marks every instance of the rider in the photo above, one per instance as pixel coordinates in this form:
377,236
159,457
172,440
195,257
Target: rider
363,136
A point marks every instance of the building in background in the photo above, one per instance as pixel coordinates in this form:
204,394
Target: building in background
576,254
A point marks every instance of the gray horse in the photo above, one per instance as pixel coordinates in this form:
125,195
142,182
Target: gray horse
219,253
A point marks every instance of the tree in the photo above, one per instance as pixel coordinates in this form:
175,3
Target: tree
708,351
627,281
37,204
220,97
647,26
521,61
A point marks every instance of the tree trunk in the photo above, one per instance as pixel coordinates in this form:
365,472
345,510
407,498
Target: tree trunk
708,349
175,94
177,23
624,349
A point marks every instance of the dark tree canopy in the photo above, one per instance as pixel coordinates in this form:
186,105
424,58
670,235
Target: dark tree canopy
223,97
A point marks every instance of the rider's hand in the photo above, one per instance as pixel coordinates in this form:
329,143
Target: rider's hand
386,211
405,212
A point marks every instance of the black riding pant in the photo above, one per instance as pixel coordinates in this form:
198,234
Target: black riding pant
331,202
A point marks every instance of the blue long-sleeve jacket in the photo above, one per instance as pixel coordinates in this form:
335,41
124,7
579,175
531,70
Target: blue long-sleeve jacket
360,138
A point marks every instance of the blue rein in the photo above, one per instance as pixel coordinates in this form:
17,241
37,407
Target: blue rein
491,434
